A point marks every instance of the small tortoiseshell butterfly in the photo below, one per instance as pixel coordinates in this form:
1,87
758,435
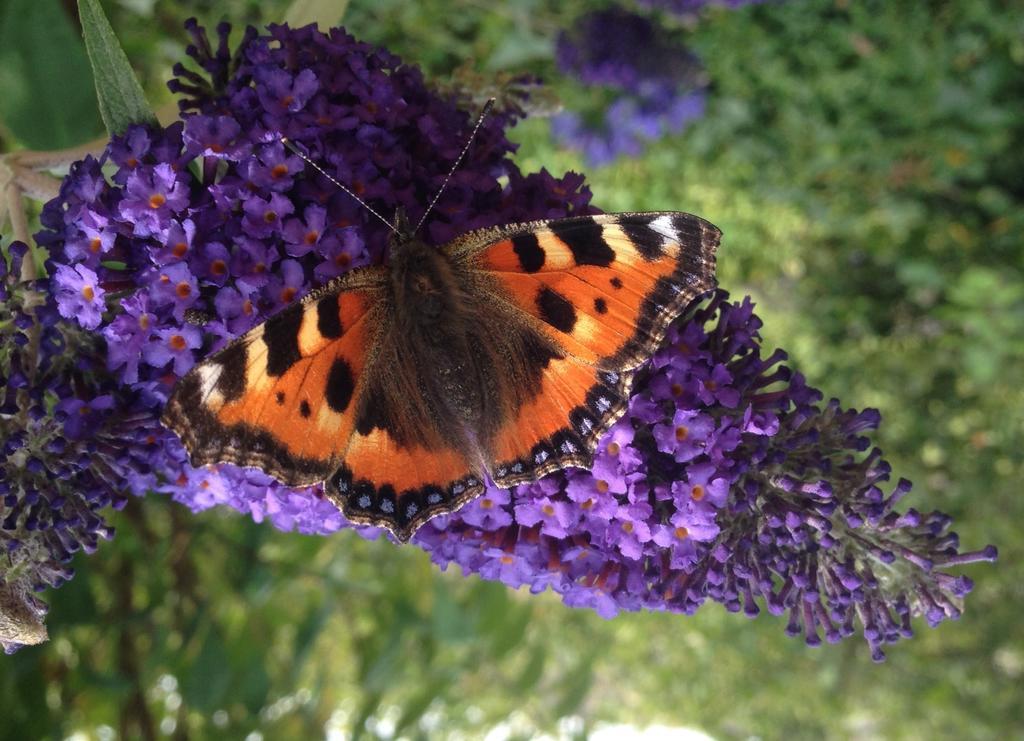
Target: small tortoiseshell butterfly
505,353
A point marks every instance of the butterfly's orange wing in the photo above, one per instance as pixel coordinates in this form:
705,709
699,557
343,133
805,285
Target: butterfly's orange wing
300,397
282,396
603,289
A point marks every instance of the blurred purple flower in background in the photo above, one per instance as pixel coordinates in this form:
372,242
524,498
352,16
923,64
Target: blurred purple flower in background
725,481
656,83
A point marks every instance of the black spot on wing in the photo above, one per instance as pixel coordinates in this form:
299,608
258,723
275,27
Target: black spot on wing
584,237
328,318
281,336
556,310
304,409
528,250
280,397
231,382
340,385
649,243
600,306
616,282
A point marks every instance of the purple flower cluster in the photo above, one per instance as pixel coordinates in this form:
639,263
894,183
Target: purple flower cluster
71,440
724,481
209,226
656,83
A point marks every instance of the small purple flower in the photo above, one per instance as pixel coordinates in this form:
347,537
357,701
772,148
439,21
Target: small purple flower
212,264
214,136
554,517
153,197
176,243
264,216
285,286
488,512
175,286
173,345
80,417
687,435
280,93
304,235
127,334
79,295
341,252
96,237
272,168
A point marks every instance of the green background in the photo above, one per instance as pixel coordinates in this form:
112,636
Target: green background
865,161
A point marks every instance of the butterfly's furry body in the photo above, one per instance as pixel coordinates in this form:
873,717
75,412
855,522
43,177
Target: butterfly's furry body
505,354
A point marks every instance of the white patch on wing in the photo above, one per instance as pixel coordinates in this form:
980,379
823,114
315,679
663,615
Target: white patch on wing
209,374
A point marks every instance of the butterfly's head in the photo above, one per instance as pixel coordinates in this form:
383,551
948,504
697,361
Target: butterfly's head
421,277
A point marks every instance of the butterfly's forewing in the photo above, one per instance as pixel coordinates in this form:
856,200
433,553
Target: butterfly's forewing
283,396
603,289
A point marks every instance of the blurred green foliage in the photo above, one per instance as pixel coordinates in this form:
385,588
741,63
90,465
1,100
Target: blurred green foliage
866,163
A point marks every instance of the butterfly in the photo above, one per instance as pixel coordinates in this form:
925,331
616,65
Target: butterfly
504,354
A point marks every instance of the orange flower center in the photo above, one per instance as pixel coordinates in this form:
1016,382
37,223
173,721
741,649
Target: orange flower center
682,433
311,236
677,389
218,267
279,171
88,293
247,307
270,217
157,200
682,533
287,100
627,527
486,503
144,321
589,504
183,289
342,260
601,486
179,249
613,448
177,342
508,560
697,493
95,244
287,294
548,510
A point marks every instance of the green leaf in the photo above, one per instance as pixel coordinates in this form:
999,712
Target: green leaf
120,95
45,83
327,13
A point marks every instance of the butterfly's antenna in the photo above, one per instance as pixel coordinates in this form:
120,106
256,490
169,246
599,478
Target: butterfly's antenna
483,114
315,166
